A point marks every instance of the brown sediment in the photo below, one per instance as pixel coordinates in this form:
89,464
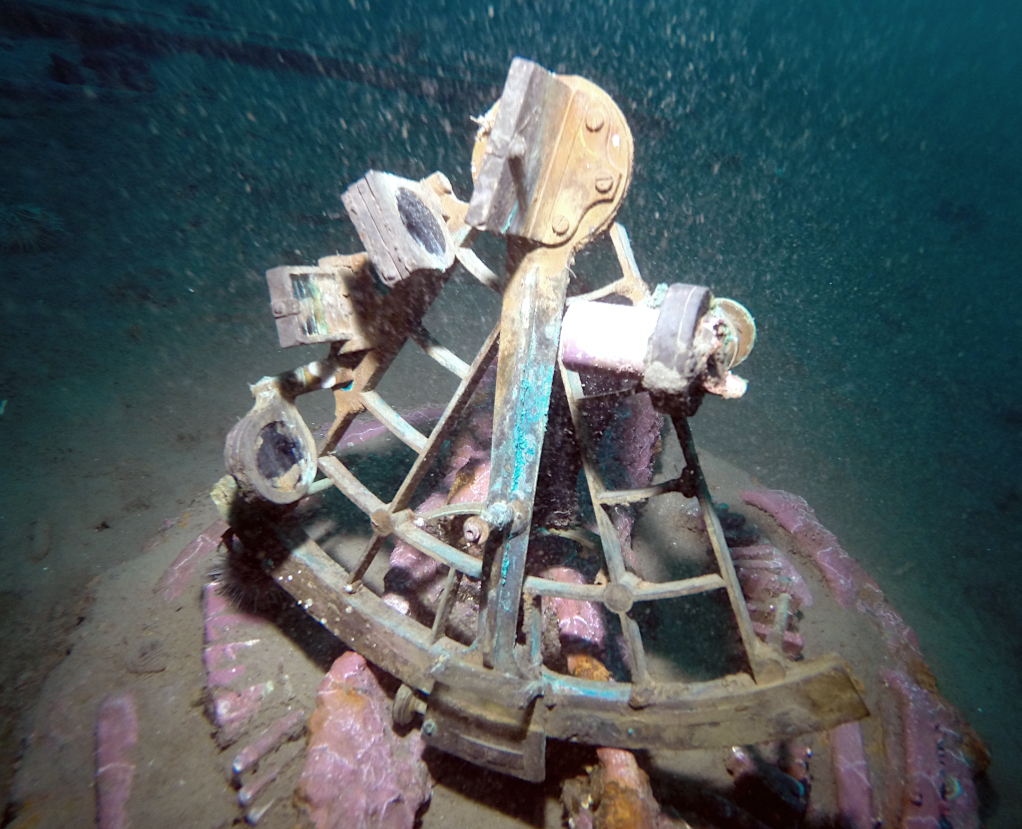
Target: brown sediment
584,666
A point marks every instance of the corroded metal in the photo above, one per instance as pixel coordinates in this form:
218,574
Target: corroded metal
814,695
269,453
399,222
552,164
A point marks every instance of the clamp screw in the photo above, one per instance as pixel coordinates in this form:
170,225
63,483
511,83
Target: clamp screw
475,530
429,728
594,120
284,307
560,224
604,181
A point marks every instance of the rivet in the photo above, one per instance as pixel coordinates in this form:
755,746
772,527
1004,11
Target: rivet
618,598
604,181
382,522
594,120
560,224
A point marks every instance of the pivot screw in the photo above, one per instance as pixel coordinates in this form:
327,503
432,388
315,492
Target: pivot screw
604,181
560,224
594,120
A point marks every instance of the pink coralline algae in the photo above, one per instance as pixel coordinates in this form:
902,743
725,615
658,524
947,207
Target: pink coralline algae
284,728
932,755
796,516
415,580
358,773
851,774
116,736
852,587
229,635
179,574
624,793
765,573
580,624
939,789
616,793
637,438
362,432
634,427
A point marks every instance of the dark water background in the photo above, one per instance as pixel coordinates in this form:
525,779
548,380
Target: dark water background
848,170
